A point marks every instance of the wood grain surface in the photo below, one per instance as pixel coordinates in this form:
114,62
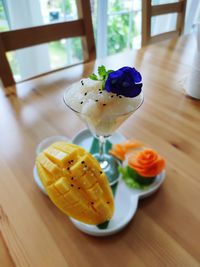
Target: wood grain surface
166,228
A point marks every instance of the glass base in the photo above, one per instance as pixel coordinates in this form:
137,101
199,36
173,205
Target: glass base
110,167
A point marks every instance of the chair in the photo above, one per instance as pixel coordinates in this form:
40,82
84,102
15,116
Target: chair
148,11
16,39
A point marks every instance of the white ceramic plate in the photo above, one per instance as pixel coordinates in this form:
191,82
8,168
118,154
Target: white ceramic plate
126,203
126,199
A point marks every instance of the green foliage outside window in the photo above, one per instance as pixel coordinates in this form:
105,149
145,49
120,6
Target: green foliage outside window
118,29
117,33
3,21
2,14
59,50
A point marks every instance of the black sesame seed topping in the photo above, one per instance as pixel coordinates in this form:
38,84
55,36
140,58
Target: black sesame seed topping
72,178
104,105
85,93
81,102
82,82
96,100
72,185
83,162
112,95
99,89
79,188
92,203
120,96
108,202
85,166
68,168
72,160
100,92
101,172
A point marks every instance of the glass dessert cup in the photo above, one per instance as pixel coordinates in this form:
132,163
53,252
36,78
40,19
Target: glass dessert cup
102,127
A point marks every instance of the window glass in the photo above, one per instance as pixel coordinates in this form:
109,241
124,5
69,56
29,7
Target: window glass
55,55
124,25
163,23
65,52
58,10
14,64
119,5
3,19
160,2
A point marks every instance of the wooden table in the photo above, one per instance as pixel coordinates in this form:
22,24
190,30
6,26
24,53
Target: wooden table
166,229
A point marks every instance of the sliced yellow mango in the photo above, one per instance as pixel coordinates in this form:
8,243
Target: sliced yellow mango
86,181
75,183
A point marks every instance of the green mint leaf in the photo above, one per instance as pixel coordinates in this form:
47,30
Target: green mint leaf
102,71
103,75
93,77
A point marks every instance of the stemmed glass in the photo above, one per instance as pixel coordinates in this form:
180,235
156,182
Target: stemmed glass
102,130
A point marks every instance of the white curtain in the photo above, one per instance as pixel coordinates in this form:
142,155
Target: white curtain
192,11
27,13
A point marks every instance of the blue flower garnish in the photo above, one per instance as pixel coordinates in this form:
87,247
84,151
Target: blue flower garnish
126,81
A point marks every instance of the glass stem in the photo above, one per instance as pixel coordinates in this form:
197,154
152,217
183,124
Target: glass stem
101,147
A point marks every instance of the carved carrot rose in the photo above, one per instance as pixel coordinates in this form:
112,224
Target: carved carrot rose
147,163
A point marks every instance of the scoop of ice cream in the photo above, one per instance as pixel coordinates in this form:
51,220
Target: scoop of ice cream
102,111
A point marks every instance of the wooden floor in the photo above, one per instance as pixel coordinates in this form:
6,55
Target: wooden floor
166,229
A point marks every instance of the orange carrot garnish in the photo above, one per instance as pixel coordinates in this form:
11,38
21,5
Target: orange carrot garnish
147,163
120,150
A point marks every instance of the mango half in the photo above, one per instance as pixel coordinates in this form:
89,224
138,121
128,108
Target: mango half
75,183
